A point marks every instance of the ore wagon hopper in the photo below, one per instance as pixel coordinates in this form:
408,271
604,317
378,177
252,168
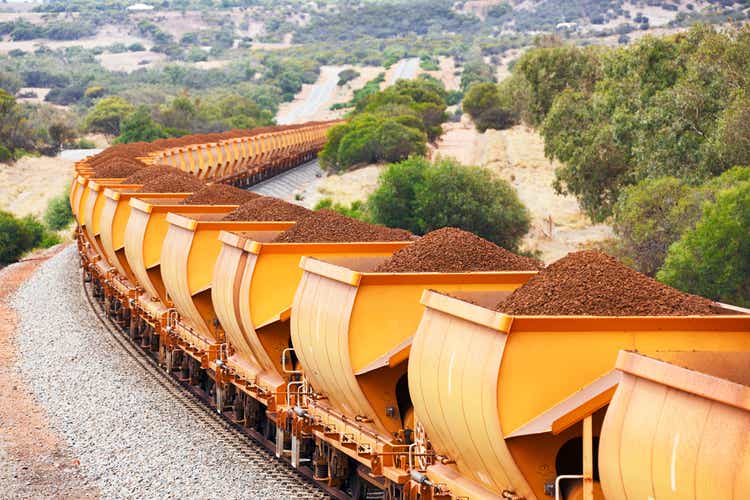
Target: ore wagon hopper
352,331
94,207
253,289
82,196
146,231
513,405
678,426
191,248
114,220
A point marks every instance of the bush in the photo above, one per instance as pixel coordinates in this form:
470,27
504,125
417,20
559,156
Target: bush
421,196
482,102
84,143
12,239
713,259
5,154
649,217
388,125
58,214
18,236
357,209
346,76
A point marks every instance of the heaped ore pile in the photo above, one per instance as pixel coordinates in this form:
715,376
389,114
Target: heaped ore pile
148,173
117,169
267,208
219,194
328,226
452,250
591,283
172,183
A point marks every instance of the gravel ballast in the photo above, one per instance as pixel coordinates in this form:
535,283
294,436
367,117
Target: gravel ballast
132,438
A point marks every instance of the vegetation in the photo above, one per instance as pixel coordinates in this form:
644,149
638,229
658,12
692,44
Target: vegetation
356,209
484,104
19,235
346,76
388,19
672,106
371,87
107,114
388,126
139,126
58,214
713,259
422,196
20,30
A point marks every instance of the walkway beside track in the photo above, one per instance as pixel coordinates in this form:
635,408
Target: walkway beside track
286,184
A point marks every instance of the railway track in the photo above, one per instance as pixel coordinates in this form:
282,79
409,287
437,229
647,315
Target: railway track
253,450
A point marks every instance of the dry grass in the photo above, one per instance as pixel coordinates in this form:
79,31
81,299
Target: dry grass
27,186
517,155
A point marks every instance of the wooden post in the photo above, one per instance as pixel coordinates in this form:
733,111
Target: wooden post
588,460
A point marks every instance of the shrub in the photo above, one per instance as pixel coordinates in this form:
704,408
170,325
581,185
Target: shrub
388,125
357,209
17,236
421,196
346,76
58,214
5,154
482,102
649,217
713,259
369,138
84,143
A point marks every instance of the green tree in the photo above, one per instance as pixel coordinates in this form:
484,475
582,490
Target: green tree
595,164
139,126
60,134
649,217
393,203
729,143
107,115
484,105
421,196
713,259
393,141
549,71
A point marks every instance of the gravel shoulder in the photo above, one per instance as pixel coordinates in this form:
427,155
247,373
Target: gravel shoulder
132,439
35,462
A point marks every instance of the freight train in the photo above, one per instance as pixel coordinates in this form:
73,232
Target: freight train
405,385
